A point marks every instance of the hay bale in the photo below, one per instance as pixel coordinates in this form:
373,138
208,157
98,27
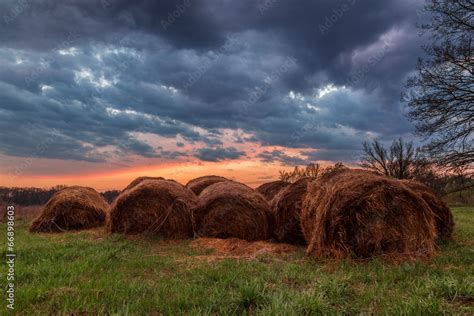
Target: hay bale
199,184
154,207
139,180
286,207
328,178
270,190
359,215
443,216
72,208
230,209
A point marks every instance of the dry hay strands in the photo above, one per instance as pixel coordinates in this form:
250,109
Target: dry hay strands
360,215
199,184
72,208
139,180
271,189
238,248
443,216
230,209
286,208
330,178
154,207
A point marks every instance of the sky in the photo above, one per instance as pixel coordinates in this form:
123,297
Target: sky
99,92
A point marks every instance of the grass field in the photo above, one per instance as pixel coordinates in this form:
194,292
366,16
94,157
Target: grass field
92,273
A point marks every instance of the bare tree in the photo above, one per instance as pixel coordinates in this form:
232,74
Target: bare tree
397,162
310,171
440,95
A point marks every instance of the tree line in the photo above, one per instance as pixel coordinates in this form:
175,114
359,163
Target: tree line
39,196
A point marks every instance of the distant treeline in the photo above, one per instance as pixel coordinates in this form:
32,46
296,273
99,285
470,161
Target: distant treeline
39,196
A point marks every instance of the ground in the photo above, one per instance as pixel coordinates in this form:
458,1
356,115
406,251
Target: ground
93,273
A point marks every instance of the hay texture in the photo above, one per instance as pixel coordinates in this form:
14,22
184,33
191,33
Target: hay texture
199,184
72,208
241,249
271,189
154,207
139,180
359,215
230,209
286,208
308,214
443,216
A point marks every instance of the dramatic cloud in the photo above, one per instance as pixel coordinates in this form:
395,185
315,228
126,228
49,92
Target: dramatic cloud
219,154
97,80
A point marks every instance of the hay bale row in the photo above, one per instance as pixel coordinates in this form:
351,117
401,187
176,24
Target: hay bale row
351,213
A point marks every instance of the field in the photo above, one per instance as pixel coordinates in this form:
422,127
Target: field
92,273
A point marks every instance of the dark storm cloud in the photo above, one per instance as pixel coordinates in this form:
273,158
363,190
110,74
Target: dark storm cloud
281,157
219,154
97,73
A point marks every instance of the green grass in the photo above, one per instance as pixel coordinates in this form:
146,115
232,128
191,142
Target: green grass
94,274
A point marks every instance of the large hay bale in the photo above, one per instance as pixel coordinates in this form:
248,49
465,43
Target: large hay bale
328,178
443,216
286,208
358,214
72,208
199,184
139,180
154,207
230,209
270,190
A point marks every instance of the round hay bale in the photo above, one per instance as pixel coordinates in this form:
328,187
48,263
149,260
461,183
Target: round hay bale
443,216
359,215
72,208
154,207
230,209
270,190
139,180
328,178
286,208
199,184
